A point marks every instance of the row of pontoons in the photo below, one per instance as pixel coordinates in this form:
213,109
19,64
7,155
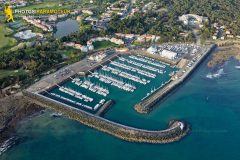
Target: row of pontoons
147,67
122,73
114,82
75,94
91,86
126,75
139,58
99,104
133,69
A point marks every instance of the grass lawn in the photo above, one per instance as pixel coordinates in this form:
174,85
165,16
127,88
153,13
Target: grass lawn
103,44
136,43
6,41
42,5
7,73
47,5
70,52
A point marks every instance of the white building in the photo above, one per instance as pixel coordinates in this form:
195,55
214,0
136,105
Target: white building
214,37
90,47
89,12
168,54
152,50
192,19
99,57
148,38
126,36
52,18
27,34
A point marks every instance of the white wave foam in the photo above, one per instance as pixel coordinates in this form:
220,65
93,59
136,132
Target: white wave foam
217,74
237,67
7,144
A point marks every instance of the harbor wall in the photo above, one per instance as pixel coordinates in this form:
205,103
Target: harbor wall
104,108
176,129
147,105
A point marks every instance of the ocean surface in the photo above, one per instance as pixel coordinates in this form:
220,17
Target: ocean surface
209,101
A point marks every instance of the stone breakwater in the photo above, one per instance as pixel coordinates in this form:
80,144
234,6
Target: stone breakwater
147,105
176,129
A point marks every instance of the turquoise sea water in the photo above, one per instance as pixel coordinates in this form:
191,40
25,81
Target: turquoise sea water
211,106
119,109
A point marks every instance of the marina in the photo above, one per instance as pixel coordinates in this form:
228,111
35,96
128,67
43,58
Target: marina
126,76
95,92
91,86
142,65
147,60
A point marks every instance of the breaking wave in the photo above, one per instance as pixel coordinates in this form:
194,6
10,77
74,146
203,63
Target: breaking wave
217,74
237,67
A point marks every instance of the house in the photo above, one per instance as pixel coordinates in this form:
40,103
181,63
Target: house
38,23
98,57
121,49
148,38
230,36
117,41
214,37
228,32
86,11
126,36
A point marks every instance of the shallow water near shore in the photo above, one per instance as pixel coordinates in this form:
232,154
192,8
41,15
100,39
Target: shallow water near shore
211,107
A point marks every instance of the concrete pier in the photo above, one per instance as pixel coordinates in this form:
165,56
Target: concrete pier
147,104
104,108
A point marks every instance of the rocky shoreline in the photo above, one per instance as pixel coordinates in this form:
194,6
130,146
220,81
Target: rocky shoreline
224,54
13,109
18,107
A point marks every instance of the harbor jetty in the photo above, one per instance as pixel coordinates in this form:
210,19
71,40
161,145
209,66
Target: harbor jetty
104,108
175,131
147,104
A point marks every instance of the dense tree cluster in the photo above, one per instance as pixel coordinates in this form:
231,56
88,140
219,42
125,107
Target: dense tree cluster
224,12
157,23
35,59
